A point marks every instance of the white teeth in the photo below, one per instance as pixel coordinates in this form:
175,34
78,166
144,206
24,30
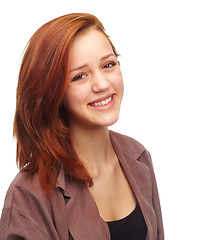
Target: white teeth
102,103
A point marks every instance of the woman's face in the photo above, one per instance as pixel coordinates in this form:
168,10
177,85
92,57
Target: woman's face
95,86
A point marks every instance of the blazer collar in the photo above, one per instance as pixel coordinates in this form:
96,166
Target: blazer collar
129,153
138,176
123,150
137,173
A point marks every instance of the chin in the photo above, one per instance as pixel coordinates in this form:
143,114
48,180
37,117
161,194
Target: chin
111,121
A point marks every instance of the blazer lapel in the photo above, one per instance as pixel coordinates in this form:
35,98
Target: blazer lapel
139,177
84,219
137,173
81,212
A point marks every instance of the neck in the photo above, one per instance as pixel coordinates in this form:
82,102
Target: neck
93,147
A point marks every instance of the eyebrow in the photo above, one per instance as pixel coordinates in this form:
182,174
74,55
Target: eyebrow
85,65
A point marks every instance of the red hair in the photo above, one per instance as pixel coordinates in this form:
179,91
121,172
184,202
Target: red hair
41,124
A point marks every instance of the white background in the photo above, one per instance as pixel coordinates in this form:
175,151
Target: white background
157,41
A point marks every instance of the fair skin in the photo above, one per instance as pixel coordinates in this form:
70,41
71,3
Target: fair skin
93,97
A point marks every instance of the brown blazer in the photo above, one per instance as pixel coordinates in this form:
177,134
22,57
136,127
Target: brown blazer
71,212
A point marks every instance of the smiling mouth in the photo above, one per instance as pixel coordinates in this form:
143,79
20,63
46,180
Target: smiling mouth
101,103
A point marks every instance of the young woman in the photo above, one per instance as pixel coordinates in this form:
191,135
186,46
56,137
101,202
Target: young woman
78,180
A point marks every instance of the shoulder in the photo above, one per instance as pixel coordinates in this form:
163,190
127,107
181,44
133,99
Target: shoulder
131,149
22,187
127,144
27,208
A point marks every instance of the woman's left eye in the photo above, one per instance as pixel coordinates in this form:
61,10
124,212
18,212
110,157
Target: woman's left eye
110,65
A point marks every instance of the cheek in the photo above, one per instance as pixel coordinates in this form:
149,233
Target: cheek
118,82
74,96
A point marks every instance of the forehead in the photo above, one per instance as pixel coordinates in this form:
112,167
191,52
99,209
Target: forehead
89,46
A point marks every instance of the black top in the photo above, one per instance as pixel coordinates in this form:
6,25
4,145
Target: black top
131,227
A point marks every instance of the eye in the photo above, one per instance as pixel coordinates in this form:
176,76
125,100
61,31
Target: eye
110,65
79,77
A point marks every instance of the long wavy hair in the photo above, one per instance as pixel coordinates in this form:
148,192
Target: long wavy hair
41,125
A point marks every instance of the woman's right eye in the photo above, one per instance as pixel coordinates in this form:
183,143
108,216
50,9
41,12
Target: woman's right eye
79,77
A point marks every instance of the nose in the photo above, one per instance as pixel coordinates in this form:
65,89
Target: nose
100,82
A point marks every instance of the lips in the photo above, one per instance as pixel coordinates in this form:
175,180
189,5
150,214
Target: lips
102,101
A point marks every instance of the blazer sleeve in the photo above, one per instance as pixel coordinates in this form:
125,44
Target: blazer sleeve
15,226
26,215
146,158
